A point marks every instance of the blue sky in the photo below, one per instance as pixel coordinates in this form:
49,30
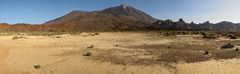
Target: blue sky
40,11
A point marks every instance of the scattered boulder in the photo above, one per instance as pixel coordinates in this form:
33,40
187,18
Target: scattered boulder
90,47
169,47
236,49
206,53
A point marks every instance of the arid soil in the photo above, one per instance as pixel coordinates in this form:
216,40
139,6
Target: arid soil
117,53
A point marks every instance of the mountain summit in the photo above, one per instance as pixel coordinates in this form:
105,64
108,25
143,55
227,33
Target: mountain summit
128,11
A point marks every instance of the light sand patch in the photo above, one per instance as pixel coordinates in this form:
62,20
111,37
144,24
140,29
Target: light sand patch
211,67
4,51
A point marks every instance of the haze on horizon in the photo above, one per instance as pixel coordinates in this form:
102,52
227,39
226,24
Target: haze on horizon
41,11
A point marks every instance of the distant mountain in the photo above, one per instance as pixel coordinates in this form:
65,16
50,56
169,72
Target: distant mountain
225,25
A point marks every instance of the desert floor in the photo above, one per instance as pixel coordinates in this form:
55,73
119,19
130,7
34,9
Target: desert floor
117,53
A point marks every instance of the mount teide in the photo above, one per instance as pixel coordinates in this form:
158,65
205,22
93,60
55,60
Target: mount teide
122,17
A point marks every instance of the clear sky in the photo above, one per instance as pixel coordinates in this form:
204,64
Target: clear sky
40,11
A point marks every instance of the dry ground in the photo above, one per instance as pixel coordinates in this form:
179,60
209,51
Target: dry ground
117,53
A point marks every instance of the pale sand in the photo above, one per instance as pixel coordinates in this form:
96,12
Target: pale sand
19,56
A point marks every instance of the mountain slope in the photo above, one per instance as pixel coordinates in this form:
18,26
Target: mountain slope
69,16
99,22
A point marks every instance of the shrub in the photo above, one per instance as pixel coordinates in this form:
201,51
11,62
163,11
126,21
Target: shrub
209,36
232,37
87,54
229,45
37,66
58,37
96,33
90,46
18,37
15,37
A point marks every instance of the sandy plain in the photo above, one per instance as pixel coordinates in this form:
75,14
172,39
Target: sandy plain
117,53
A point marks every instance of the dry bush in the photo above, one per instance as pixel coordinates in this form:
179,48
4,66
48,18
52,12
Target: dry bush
232,37
87,54
37,66
58,37
90,47
229,45
18,37
209,35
